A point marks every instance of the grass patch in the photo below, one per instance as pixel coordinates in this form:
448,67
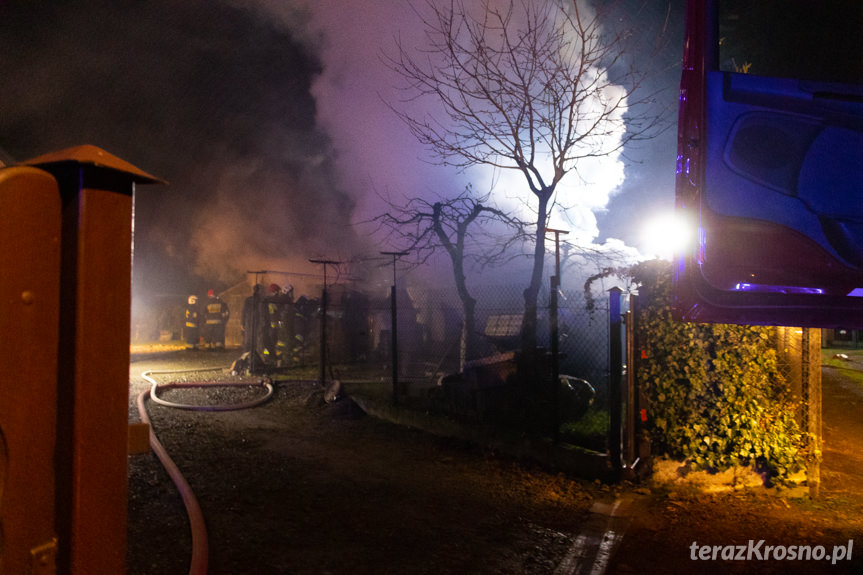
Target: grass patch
590,431
851,368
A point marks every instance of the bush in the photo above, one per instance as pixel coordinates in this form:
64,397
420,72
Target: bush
717,397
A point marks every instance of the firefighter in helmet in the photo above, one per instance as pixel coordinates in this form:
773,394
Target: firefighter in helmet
280,312
191,331
255,322
216,316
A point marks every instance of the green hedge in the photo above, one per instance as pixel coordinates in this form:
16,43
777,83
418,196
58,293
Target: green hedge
717,396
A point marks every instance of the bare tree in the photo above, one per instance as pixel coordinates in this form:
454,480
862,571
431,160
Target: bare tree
468,230
534,87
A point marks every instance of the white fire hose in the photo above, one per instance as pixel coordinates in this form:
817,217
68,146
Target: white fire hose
200,546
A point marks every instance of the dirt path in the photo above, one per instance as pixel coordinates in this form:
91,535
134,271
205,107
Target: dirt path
842,414
301,486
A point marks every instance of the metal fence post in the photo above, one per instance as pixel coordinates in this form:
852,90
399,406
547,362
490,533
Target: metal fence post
394,328
615,364
324,303
630,421
555,360
394,346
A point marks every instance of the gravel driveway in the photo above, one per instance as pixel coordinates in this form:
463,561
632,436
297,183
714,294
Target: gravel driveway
299,485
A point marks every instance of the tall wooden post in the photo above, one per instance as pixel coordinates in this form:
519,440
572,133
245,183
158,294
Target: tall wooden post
810,350
93,358
29,322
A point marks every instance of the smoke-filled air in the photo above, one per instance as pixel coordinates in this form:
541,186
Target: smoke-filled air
273,123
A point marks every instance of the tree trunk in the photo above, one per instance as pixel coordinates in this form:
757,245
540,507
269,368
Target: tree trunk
468,331
456,254
468,304
531,293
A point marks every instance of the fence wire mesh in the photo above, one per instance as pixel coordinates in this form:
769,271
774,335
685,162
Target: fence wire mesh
799,360
429,327
358,346
355,343
432,364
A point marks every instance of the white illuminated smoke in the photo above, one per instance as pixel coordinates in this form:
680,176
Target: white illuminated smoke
375,152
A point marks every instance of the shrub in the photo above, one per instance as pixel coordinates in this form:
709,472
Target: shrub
717,396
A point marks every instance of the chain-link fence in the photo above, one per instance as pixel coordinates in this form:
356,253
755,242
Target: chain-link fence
798,353
355,343
433,367
799,360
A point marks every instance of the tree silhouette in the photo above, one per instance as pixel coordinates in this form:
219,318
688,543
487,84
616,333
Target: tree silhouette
535,87
467,229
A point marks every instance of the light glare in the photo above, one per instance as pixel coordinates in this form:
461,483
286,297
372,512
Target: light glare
665,236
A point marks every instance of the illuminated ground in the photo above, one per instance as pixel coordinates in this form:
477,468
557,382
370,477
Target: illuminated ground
300,486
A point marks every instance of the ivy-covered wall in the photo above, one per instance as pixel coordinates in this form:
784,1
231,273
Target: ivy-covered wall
717,396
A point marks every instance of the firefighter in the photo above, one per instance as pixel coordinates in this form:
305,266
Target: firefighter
216,316
255,322
191,330
280,313
302,326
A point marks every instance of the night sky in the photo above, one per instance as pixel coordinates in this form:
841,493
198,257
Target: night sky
268,120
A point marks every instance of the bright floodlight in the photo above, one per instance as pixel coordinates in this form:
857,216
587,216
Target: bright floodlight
664,236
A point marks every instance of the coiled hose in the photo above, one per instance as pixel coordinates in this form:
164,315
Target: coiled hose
200,545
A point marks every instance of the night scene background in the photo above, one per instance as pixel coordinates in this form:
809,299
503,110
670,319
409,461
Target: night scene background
269,120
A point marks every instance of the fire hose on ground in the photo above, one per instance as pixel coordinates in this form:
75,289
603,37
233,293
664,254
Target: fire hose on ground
200,545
